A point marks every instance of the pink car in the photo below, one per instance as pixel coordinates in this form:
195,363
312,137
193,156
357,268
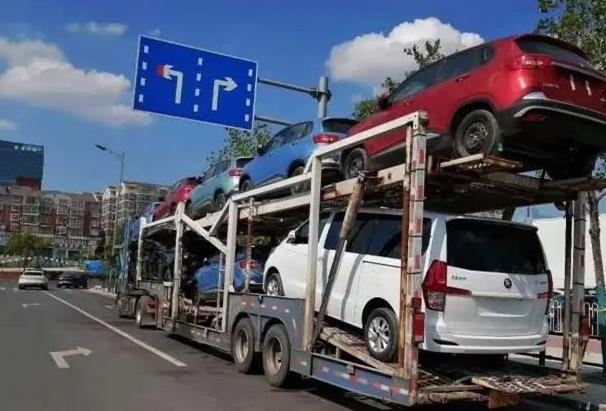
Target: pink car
180,191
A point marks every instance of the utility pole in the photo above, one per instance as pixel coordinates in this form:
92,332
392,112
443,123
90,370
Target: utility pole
121,157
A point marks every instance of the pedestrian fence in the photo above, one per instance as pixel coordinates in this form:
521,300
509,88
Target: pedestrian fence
556,316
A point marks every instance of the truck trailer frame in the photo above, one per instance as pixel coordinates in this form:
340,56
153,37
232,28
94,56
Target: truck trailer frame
288,334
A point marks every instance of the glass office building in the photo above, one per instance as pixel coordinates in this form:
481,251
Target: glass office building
21,164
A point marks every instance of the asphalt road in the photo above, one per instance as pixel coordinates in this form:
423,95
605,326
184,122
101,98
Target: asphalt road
132,369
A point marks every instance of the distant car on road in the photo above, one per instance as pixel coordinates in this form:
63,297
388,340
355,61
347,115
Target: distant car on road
33,278
180,191
532,98
219,182
72,280
288,151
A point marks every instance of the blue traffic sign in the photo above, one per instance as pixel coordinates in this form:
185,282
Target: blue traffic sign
187,82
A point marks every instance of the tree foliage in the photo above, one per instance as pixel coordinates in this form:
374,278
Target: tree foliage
580,22
27,246
423,57
240,143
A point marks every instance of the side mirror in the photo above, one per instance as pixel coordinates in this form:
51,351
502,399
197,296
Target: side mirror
291,237
383,100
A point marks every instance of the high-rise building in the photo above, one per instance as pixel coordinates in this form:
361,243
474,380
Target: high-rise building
71,221
132,198
21,165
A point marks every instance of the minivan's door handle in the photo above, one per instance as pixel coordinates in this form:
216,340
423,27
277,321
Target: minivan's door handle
462,78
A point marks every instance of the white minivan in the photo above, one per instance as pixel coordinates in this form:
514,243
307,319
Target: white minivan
486,285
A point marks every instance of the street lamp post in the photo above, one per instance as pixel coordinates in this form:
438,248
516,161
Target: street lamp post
120,156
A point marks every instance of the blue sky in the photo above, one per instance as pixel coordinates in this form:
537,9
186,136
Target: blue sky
292,41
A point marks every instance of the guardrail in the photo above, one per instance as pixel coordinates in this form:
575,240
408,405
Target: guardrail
556,317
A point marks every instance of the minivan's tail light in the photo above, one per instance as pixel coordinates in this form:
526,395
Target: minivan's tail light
547,295
529,61
435,286
418,321
253,264
235,172
325,138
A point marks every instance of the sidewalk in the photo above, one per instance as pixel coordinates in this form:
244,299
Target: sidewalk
593,353
101,291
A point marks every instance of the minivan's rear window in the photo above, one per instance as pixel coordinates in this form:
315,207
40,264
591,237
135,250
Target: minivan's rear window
495,247
532,45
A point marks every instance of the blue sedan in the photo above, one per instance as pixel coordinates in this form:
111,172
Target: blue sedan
208,279
288,151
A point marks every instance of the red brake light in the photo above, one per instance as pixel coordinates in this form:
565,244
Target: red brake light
253,264
529,61
325,138
435,286
418,321
235,172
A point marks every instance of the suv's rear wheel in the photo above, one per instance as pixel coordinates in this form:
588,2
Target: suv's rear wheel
245,186
477,133
381,333
299,188
355,162
220,201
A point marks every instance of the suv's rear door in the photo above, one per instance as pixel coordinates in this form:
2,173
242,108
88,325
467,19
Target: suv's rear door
503,267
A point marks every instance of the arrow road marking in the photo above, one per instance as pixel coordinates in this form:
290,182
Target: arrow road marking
118,331
59,356
166,71
25,305
228,85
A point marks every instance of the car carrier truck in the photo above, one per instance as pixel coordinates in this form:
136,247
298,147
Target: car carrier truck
289,336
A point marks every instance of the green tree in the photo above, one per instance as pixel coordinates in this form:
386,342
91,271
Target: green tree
582,23
27,246
423,58
239,143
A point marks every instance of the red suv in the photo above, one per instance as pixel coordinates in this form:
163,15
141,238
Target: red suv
529,97
180,191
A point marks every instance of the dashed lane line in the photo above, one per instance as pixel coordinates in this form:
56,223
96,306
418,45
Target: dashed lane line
118,331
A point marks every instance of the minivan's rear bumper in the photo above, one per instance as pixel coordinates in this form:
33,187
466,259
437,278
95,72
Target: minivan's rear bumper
485,344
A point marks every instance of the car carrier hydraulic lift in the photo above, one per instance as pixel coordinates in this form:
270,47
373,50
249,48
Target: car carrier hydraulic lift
288,333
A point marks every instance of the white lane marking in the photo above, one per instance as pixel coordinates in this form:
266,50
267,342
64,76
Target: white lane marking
118,331
2,288
109,306
67,291
25,305
59,356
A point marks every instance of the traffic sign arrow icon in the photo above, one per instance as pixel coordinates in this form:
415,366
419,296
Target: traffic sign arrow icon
58,356
166,71
228,85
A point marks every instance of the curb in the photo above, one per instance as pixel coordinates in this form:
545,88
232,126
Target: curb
101,292
569,403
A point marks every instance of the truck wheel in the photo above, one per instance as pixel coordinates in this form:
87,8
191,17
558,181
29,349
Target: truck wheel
276,356
477,133
380,334
141,317
243,347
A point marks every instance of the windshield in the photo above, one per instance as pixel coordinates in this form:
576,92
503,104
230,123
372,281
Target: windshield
495,247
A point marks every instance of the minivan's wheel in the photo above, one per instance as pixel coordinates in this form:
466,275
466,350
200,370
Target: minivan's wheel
243,346
276,356
245,186
478,133
355,162
273,285
220,201
299,188
380,334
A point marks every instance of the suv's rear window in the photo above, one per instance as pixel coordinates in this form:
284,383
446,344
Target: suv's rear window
490,246
241,162
338,125
531,45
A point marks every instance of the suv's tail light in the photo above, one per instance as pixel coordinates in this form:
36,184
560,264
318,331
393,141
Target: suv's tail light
253,264
235,172
325,138
529,61
435,286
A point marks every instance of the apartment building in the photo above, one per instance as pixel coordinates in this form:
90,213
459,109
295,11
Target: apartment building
72,221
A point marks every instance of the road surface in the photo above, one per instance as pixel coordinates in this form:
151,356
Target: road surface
102,363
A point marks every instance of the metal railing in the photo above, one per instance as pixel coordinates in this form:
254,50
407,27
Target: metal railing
556,316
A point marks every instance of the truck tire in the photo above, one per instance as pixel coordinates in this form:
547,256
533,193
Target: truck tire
276,356
243,347
141,317
381,334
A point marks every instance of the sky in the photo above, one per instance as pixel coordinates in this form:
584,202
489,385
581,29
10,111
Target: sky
66,69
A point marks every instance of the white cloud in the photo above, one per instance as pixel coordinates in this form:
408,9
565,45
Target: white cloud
39,74
7,125
155,32
369,58
102,29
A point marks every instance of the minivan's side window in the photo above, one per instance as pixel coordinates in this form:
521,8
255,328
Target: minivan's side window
417,82
360,233
303,230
